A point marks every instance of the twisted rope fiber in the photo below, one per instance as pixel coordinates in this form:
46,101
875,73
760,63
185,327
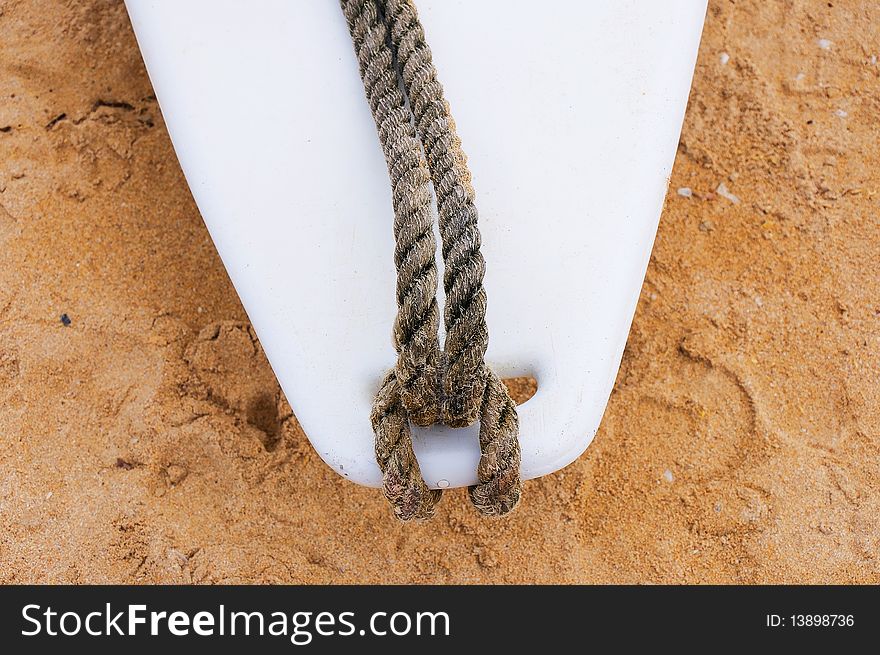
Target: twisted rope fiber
409,391
470,388
465,313
415,329
391,51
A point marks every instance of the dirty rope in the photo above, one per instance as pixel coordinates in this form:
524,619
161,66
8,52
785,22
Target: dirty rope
453,386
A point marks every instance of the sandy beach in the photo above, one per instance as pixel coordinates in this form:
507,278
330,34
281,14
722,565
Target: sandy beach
144,439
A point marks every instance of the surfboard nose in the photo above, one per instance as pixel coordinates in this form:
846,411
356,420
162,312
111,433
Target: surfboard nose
570,118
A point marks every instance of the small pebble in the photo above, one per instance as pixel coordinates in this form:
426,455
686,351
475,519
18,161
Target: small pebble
724,192
706,226
873,60
178,557
841,113
176,474
65,320
724,58
685,192
825,44
667,475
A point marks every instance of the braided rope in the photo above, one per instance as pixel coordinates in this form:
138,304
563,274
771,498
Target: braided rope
391,50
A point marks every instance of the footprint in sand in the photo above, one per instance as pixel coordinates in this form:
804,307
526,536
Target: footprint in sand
229,362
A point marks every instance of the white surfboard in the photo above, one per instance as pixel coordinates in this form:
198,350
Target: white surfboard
570,115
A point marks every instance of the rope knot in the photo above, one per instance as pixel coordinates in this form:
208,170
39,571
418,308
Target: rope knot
499,487
429,385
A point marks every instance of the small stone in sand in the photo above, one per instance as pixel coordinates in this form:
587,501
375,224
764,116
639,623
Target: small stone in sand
176,474
724,192
841,113
667,475
685,192
825,44
724,58
65,320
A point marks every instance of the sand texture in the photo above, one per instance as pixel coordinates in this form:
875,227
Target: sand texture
148,441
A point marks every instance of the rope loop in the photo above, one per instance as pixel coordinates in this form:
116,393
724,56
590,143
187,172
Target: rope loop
430,385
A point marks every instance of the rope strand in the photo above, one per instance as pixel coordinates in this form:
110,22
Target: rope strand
416,326
467,336
421,145
409,391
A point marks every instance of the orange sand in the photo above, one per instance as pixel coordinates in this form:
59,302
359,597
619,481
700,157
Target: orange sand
148,441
